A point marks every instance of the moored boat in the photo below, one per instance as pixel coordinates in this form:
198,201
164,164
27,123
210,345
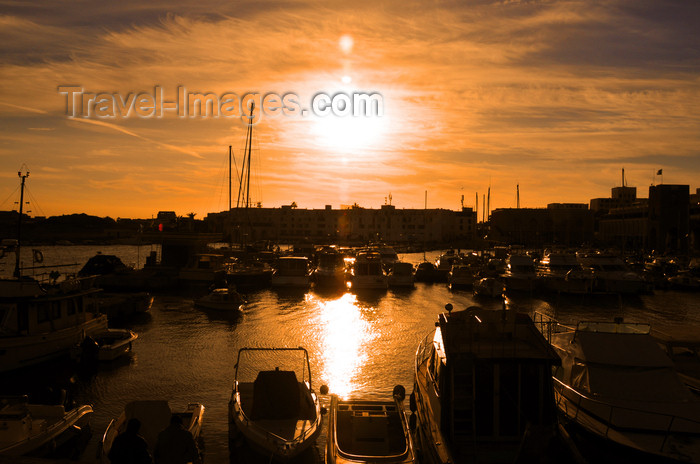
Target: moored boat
292,272
154,416
363,431
483,391
275,411
221,299
29,429
367,273
617,386
401,275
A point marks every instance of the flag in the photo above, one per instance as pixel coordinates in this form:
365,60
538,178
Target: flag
659,172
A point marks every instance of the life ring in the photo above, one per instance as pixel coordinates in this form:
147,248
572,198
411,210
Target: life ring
38,256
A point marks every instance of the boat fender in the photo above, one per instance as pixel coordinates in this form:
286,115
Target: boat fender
38,256
412,420
399,391
412,402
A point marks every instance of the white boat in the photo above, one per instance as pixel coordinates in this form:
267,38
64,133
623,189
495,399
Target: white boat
40,429
618,386
362,431
483,388
612,275
274,409
292,272
41,322
155,417
401,275
221,299
367,273
683,347
560,272
520,274
443,265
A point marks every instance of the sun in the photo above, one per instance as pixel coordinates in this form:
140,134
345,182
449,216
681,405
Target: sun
349,134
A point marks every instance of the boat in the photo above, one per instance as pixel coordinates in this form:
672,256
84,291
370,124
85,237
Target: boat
104,346
42,321
388,256
121,306
367,273
221,299
612,275
364,431
203,269
560,272
461,276
616,385
330,269
42,430
292,272
520,274
274,409
443,265
483,390
425,272
249,272
155,417
489,287
401,275
115,276
683,347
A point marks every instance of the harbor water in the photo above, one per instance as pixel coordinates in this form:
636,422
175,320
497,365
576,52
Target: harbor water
360,345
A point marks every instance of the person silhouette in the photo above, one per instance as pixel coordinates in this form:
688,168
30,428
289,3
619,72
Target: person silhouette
176,445
130,447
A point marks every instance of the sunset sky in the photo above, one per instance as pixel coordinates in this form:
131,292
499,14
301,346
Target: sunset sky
556,96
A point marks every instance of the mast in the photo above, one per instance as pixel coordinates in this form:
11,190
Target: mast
517,194
250,144
19,224
229,177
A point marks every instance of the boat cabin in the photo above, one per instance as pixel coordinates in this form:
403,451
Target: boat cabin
483,379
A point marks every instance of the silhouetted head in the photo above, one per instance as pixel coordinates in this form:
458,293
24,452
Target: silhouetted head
175,419
133,426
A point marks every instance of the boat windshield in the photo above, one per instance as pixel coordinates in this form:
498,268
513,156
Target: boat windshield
253,360
613,327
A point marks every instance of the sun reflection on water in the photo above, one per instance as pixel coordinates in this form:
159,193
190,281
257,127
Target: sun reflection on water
344,340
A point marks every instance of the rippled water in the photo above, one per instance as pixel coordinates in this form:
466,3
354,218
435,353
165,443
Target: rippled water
359,345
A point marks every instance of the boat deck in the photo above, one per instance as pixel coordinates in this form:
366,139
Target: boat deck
278,413
369,428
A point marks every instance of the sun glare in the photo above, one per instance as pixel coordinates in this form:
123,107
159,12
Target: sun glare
345,333
350,134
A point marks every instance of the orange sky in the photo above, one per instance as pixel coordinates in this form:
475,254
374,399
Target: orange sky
556,96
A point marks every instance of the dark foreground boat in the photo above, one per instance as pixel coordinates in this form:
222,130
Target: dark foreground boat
361,431
483,391
278,414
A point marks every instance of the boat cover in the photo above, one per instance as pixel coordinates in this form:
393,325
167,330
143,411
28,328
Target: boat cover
620,365
275,396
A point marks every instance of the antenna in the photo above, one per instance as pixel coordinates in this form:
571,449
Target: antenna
517,195
390,198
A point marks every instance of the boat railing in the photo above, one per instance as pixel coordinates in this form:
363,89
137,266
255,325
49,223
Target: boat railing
548,325
612,416
273,436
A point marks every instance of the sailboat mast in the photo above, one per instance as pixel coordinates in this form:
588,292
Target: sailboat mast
229,177
19,224
250,143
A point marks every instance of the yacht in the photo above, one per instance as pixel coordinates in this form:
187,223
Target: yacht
461,276
520,274
401,275
330,269
483,390
292,272
560,272
612,275
44,321
616,385
203,269
367,273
